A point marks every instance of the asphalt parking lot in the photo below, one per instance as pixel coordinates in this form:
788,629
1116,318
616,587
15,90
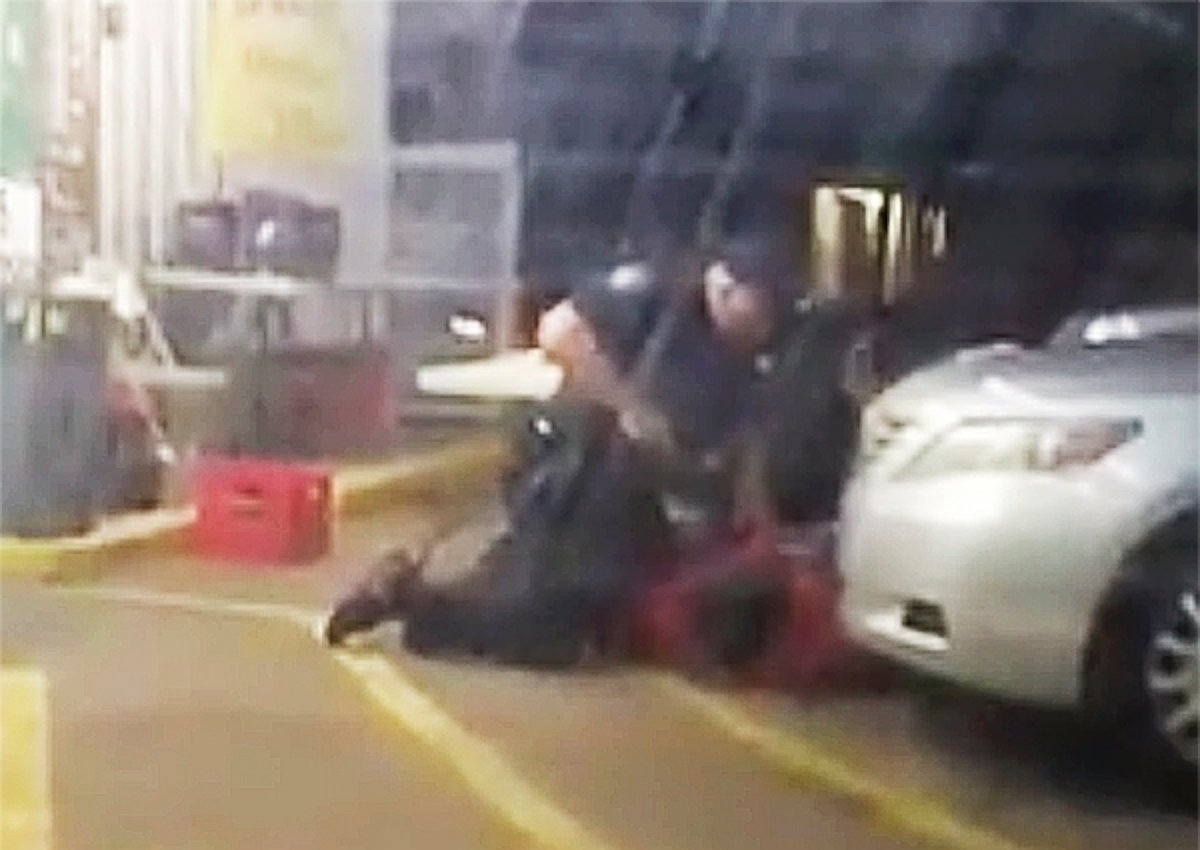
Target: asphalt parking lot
189,706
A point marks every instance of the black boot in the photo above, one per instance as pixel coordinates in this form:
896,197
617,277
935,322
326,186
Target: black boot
351,616
384,595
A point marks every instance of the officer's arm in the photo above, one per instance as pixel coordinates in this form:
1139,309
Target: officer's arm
569,340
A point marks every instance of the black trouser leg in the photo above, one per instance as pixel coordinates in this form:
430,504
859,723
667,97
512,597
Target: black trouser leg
548,630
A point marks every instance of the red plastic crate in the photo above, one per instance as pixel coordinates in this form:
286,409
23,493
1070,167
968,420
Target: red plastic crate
261,511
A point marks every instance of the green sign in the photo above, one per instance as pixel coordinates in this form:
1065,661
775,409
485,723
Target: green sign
20,86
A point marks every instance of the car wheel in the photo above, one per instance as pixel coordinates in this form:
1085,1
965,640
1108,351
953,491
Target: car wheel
1140,689
1171,674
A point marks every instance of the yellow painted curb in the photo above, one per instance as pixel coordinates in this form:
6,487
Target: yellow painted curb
25,822
460,468
463,467
34,556
927,820
74,558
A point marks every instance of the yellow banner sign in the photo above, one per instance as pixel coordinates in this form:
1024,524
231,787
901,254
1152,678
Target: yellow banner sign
275,81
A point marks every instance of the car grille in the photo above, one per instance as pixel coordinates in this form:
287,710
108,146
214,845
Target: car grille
924,617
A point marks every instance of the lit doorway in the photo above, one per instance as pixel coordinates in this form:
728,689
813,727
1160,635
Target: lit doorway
872,242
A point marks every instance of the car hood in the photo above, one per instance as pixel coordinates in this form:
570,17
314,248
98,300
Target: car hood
1007,377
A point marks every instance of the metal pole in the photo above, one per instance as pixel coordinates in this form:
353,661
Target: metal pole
154,43
510,232
106,108
133,136
188,16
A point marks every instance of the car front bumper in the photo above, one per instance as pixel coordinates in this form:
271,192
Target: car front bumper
1012,565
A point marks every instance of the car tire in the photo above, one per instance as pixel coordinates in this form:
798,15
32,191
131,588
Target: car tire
1171,674
1142,686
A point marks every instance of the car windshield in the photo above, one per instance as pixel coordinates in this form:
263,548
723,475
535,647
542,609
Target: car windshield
1128,328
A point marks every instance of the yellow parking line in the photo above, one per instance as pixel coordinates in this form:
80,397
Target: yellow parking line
921,818
278,612
494,781
24,760
483,770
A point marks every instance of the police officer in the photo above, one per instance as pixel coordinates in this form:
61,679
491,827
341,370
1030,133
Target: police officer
673,355
677,359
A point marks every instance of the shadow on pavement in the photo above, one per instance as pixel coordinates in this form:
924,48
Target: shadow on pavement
1057,751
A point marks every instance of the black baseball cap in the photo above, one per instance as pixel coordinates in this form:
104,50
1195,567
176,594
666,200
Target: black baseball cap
757,260
761,261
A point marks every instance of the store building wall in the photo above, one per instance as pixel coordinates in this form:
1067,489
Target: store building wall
156,149
1027,107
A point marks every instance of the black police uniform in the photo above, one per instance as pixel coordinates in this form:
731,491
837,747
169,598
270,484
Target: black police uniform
584,515
666,345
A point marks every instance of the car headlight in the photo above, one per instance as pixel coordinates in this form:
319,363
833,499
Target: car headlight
1021,445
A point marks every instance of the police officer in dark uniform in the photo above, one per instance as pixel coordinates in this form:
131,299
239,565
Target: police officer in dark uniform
679,360
673,360
684,364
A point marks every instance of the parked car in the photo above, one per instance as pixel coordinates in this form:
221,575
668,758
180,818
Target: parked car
1024,522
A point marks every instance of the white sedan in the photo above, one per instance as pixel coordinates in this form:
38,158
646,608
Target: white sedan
1024,522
